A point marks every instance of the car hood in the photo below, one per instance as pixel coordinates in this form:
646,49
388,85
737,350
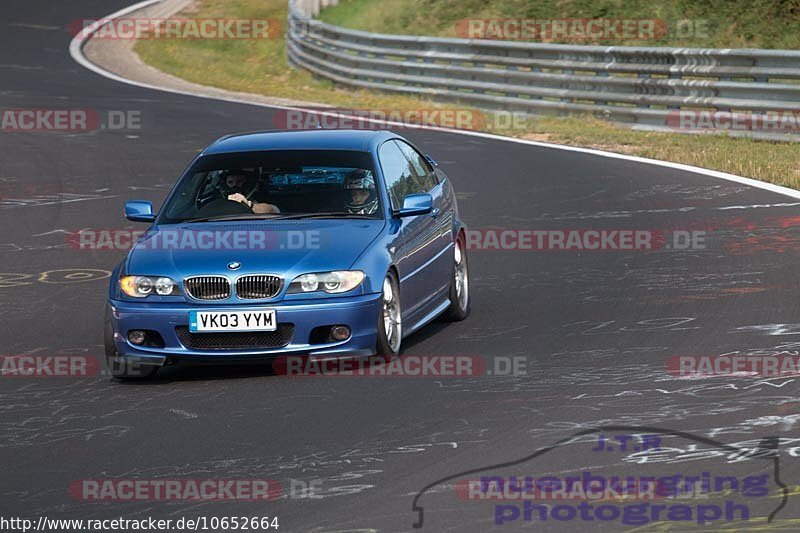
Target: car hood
286,248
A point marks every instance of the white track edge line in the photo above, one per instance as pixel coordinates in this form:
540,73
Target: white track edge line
76,51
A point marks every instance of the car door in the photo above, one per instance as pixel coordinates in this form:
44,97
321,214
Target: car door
415,250
440,239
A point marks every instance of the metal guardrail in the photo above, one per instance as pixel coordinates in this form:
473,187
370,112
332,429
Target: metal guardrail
647,87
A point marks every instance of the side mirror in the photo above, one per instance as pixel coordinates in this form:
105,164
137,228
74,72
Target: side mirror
139,211
416,204
430,160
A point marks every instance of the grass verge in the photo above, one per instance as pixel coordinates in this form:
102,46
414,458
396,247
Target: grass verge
681,23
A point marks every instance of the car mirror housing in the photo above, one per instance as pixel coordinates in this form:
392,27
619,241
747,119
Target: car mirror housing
139,211
416,204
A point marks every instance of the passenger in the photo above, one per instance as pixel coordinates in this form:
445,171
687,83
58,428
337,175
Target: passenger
363,197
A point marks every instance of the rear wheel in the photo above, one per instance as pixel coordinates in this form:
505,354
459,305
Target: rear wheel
459,284
390,323
121,367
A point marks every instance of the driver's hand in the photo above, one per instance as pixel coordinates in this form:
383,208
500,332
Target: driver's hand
262,209
239,197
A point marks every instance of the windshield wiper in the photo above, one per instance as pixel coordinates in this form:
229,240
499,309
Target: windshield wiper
277,216
332,214
232,217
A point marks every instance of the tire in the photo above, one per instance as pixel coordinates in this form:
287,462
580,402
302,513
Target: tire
119,367
460,302
390,338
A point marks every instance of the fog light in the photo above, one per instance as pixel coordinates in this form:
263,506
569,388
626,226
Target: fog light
340,333
136,336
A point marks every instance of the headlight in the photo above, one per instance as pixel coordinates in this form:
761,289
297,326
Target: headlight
330,282
143,286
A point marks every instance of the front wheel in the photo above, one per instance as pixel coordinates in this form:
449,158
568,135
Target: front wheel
390,323
459,284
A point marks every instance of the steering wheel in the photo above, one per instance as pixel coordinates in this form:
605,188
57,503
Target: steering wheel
223,206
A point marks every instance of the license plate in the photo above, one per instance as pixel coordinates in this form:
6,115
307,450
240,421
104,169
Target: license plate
263,320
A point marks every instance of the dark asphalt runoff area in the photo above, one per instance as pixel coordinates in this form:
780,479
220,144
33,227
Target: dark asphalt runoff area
595,329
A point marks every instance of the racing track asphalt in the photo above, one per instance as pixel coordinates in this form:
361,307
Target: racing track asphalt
596,327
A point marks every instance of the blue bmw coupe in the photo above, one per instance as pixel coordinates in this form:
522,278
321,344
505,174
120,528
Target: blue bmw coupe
325,243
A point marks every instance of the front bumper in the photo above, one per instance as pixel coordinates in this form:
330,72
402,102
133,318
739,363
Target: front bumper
360,313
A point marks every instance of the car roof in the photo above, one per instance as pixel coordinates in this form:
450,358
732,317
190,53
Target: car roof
357,140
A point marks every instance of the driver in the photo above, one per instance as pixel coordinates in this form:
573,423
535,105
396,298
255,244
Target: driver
234,189
363,198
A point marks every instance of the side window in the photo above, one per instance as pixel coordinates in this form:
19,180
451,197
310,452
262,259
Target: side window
401,180
420,166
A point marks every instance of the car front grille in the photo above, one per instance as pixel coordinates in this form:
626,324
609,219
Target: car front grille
258,287
240,340
208,287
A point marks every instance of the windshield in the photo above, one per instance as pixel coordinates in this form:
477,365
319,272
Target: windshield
275,184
